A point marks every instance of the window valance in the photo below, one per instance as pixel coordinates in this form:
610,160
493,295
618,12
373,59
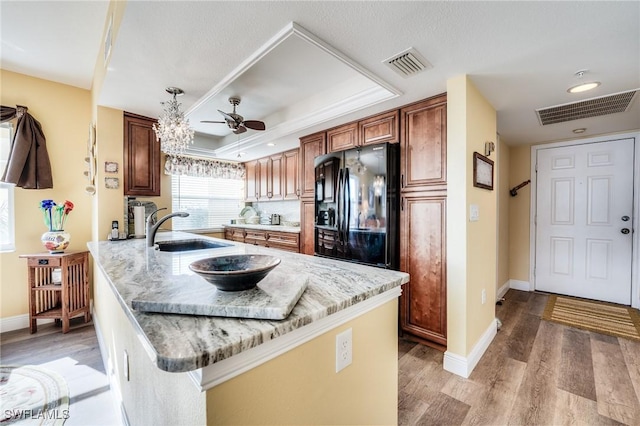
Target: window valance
201,167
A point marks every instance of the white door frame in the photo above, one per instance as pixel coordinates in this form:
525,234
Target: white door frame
635,261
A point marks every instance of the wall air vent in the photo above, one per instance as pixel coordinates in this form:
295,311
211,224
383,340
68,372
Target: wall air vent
408,63
594,107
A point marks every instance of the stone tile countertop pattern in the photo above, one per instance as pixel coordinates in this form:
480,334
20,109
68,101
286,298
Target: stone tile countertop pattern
179,343
278,228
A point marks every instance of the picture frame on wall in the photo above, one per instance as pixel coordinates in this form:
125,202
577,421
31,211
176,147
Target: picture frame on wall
110,167
482,171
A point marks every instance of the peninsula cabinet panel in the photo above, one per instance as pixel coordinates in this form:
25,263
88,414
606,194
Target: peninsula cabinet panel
141,157
423,303
251,181
380,129
343,137
291,175
307,225
424,141
310,147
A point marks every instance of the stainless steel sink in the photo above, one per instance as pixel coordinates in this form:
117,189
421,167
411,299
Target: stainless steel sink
189,245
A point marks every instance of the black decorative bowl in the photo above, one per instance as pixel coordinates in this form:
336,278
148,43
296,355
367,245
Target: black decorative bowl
235,272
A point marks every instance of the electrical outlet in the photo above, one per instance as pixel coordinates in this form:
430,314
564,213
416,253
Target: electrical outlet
125,366
344,351
484,296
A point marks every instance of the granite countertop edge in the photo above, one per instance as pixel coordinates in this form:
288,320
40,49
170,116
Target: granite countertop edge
181,343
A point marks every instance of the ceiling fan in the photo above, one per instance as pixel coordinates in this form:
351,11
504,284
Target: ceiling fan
236,122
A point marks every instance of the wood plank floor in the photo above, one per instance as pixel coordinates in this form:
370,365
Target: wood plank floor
534,373
76,357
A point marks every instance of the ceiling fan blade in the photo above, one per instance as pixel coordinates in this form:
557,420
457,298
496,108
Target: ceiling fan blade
228,117
208,121
240,129
254,124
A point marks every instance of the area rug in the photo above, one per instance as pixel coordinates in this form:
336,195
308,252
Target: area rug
601,317
32,395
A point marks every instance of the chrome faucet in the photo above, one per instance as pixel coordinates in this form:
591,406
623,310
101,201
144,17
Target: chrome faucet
152,228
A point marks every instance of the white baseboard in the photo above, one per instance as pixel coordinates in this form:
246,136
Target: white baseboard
520,285
18,322
462,366
503,290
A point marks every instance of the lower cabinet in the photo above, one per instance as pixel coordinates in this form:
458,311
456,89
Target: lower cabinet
289,241
423,304
307,223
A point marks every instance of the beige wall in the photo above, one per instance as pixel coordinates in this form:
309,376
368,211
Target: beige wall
302,387
503,155
65,114
519,206
471,246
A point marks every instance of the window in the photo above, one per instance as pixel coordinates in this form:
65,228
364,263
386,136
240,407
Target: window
7,224
210,202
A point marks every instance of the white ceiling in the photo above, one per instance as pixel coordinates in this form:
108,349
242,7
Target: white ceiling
328,68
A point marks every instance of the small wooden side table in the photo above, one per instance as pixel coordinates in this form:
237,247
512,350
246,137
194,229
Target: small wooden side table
61,300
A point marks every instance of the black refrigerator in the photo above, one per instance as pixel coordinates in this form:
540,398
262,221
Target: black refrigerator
356,205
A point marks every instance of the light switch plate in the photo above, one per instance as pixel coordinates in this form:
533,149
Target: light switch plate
474,213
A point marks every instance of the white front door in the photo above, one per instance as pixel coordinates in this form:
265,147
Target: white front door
584,220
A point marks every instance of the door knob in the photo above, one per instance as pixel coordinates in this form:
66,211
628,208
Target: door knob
625,231
625,218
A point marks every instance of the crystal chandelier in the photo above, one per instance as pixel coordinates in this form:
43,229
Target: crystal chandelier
172,130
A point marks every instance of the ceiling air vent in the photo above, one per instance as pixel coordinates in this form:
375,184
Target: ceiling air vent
594,107
408,63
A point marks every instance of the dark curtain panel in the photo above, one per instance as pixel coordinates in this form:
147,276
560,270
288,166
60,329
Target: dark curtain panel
28,166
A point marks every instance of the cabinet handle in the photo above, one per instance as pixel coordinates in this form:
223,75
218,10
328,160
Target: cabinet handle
402,181
402,204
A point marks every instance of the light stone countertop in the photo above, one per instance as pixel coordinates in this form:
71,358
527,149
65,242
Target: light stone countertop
278,228
179,343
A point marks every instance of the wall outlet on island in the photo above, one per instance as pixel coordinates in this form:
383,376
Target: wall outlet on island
344,352
484,296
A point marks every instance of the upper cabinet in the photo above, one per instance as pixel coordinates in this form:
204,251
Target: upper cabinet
424,144
310,147
291,173
379,129
343,137
141,157
273,178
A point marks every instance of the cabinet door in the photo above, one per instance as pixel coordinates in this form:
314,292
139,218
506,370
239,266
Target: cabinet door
424,140
263,171
310,147
141,157
423,302
275,177
307,225
291,175
251,178
343,137
380,129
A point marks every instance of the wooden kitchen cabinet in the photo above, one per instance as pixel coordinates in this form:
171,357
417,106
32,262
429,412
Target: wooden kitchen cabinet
307,225
251,181
343,137
289,241
141,168
423,304
263,173
423,137
310,147
291,175
276,179
380,129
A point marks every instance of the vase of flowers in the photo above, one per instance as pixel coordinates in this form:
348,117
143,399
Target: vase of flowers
56,240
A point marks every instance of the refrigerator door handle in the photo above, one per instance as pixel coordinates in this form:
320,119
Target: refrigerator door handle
347,201
339,206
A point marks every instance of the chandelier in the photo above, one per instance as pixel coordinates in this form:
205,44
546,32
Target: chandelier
172,129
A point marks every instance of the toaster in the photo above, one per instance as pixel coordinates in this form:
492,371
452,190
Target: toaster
275,219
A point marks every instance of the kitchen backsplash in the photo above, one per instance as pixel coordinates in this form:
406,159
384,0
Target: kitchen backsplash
288,210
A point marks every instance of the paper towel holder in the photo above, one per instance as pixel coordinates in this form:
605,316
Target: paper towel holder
139,219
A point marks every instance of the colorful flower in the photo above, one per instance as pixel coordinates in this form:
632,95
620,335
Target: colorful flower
55,215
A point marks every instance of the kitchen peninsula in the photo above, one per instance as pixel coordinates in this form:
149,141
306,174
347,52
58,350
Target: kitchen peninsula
182,369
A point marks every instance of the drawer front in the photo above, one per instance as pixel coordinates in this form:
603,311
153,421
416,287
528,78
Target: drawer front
289,239
285,247
50,261
255,236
